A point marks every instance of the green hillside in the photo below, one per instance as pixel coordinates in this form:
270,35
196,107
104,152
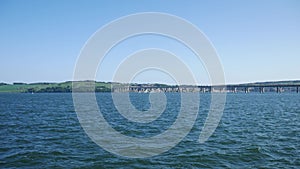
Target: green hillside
51,87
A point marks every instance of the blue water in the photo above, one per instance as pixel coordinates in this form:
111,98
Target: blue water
256,131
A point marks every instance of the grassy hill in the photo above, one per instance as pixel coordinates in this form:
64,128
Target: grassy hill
51,87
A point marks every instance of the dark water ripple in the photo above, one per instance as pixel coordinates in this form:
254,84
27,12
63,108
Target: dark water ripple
256,131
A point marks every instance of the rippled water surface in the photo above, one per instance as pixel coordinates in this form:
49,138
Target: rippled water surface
256,131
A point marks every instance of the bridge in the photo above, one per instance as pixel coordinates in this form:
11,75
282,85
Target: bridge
246,88
261,88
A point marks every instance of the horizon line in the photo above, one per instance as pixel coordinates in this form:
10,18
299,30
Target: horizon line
267,81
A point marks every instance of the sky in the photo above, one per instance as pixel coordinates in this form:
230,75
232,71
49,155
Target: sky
40,41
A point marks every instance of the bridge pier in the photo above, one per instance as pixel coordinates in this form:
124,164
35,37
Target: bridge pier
210,89
261,89
297,89
278,90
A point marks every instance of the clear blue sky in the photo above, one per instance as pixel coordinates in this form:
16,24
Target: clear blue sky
256,40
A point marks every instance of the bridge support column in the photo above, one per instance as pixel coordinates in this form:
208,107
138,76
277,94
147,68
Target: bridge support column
261,89
247,90
297,89
278,90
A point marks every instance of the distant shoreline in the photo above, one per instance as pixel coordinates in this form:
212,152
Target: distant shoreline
93,86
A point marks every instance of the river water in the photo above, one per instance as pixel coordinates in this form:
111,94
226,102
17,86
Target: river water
256,131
